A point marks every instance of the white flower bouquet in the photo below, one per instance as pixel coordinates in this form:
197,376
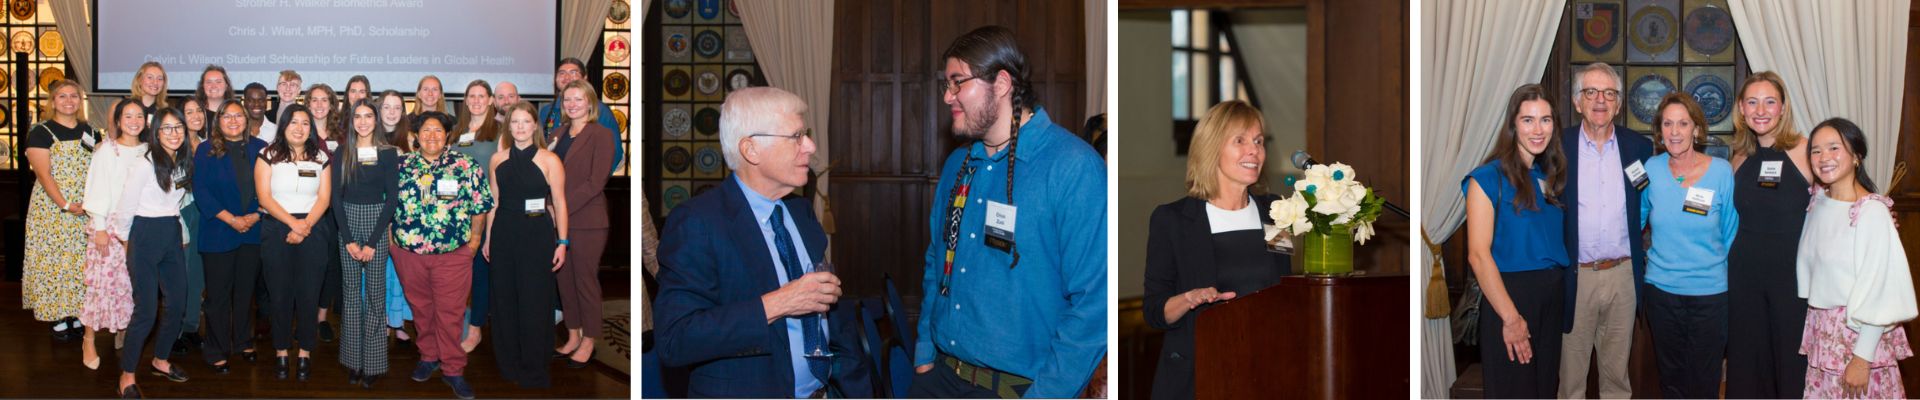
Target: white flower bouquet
1331,210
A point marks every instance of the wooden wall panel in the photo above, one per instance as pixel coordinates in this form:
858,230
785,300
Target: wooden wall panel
892,132
1357,96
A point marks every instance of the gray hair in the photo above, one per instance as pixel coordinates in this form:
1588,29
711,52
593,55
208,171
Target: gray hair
751,111
1580,84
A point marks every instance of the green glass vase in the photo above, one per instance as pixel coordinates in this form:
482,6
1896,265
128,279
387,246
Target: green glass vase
1329,254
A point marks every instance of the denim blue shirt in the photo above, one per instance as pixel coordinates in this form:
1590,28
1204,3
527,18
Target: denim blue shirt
1688,254
1523,240
550,119
804,383
1046,318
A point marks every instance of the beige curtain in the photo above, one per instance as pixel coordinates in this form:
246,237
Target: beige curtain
1096,13
1473,54
1838,59
70,17
794,42
581,22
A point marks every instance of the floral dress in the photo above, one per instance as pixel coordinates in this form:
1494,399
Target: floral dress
55,258
109,299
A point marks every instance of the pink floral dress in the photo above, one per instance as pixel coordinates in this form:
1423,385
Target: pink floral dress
109,301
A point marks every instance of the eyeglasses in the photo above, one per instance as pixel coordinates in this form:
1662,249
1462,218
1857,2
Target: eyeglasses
172,127
1589,93
567,72
232,116
808,133
953,86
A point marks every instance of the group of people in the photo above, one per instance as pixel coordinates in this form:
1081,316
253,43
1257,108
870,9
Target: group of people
1573,235
1015,288
348,202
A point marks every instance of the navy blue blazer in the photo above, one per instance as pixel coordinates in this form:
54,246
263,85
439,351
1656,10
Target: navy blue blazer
216,189
714,267
1634,147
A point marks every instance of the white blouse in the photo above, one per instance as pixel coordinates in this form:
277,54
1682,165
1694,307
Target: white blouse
106,179
1856,262
142,196
294,192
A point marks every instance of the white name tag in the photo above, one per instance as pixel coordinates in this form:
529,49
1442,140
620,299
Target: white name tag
1637,174
536,207
1770,173
466,139
446,188
1699,201
367,155
1000,223
333,146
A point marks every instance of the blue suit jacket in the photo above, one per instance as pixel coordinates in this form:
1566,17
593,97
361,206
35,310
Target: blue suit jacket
1634,147
216,188
713,269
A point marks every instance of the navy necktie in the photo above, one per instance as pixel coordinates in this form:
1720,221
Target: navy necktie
809,325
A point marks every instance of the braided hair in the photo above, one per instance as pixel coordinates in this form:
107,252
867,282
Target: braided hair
988,51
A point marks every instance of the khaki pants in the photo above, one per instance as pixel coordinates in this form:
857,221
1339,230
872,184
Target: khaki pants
1603,315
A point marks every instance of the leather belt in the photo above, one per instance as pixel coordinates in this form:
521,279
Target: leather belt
1603,265
1008,386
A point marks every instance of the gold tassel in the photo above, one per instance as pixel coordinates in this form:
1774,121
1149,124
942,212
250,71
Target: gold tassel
1437,305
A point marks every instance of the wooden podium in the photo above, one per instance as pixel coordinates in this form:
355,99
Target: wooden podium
1308,337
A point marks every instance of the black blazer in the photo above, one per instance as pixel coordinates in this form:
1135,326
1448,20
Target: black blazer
1634,147
1180,259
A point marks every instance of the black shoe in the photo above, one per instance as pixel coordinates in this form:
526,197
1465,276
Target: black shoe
250,356
280,367
193,338
571,364
177,374
425,370
131,392
180,346
64,335
305,368
326,332
353,376
460,387
219,368
366,382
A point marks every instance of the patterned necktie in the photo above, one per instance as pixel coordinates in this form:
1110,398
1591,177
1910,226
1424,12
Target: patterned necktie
809,325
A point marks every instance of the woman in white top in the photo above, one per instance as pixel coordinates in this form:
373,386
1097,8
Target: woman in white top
108,304
148,217
294,184
1853,273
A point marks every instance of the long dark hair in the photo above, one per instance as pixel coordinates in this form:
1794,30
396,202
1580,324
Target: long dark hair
1856,143
119,110
1506,150
279,151
489,129
989,50
169,165
219,137
350,140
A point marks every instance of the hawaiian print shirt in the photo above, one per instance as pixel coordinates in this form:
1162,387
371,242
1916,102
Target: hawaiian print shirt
438,199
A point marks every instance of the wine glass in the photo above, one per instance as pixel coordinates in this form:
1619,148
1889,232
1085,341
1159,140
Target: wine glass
820,350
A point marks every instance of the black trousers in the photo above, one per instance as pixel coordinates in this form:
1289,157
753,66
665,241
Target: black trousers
157,268
294,273
1538,296
1764,305
523,297
1689,341
229,308
330,283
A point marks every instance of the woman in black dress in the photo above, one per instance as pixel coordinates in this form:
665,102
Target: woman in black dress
535,216
1210,245
1763,302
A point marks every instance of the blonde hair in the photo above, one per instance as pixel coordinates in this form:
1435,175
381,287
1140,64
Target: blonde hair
53,91
159,99
1745,142
1214,129
586,92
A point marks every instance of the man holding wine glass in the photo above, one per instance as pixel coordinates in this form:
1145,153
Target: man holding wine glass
745,293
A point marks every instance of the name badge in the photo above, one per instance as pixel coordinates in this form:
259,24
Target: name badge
367,155
1000,223
1279,242
446,188
309,173
466,139
333,146
1637,174
536,207
1699,201
1770,173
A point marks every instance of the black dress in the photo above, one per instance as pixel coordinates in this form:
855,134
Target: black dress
1184,254
1764,306
523,282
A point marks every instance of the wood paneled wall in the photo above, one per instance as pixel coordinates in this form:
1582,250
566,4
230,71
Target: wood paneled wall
892,131
1357,99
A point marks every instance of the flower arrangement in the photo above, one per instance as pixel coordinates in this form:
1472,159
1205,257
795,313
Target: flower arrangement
1332,210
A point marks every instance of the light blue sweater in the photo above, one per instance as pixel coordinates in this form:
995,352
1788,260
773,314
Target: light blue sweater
1688,253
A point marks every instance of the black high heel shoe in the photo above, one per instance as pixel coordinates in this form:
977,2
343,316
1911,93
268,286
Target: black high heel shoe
280,367
218,368
250,355
353,377
366,382
305,368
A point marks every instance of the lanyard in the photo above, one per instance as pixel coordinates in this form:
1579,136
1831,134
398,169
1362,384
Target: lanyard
963,185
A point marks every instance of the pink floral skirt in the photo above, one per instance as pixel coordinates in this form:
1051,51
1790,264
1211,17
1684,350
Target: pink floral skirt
109,301
1828,345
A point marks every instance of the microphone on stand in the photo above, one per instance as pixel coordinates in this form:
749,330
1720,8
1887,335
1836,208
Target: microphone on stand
1302,160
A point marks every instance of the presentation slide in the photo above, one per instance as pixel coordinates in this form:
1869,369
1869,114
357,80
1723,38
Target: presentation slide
392,42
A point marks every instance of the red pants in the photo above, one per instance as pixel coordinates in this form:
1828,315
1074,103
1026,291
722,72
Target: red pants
437,287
